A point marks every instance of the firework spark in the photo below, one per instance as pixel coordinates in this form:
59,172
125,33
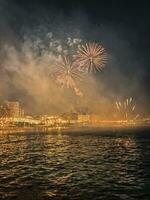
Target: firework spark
126,109
67,74
91,57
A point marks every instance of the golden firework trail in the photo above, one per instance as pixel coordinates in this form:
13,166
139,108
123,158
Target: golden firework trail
126,109
67,73
91,57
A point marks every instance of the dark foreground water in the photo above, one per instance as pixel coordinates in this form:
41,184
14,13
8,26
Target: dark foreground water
42,166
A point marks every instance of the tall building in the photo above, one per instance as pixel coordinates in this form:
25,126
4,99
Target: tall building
21,112
13,108
3,111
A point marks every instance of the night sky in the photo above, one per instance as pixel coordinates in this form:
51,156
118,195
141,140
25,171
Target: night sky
123,27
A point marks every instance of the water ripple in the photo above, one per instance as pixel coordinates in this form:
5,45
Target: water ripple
58,166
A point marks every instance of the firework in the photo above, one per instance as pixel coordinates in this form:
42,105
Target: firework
126,109
67,74
91,56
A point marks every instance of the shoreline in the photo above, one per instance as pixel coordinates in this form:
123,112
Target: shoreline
89,128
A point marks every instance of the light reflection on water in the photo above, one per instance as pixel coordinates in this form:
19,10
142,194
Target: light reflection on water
68,166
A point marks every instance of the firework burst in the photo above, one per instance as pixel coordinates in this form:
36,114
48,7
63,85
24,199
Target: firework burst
67,74
126,109
91,57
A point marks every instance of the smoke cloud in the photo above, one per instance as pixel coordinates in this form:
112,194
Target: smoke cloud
28,44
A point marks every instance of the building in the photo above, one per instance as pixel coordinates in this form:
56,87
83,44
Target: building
70,117
3,111
21,113
14,110
83,118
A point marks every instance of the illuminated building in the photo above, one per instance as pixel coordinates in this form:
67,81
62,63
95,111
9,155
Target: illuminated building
3,111
13,109
21,112
83,118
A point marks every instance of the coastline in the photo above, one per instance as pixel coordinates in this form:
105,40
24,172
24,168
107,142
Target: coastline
88,129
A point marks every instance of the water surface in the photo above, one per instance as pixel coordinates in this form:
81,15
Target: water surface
42,166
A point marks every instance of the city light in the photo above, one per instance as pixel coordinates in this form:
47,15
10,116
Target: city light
12,115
